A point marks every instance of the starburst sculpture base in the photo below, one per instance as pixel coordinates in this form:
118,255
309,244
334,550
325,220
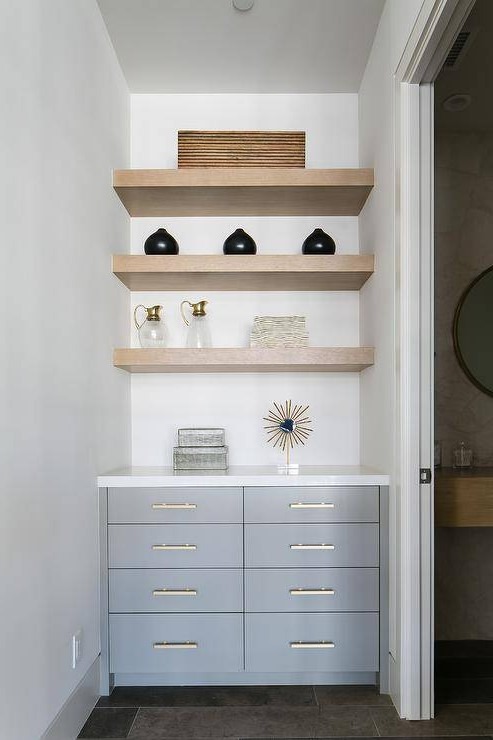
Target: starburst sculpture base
291,469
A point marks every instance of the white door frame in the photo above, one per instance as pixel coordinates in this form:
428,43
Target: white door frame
434,31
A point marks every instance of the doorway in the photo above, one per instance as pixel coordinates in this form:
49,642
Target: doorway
463,282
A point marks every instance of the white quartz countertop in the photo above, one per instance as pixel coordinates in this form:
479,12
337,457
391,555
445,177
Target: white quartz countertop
250,475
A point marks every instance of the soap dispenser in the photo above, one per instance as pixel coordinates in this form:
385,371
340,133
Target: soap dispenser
199,333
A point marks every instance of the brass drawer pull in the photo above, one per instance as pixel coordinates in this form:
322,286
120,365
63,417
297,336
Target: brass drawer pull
174,592
175,645
174,506
174,547
308,645
311,591
312,547
301,505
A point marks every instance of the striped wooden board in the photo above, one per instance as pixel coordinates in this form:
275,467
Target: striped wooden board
241,149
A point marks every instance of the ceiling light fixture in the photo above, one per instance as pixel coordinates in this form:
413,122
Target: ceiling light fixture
457,102
243,4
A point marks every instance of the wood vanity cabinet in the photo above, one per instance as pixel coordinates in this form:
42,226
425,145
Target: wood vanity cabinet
243,585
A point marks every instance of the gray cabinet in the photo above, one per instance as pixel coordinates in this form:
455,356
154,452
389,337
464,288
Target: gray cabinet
231,585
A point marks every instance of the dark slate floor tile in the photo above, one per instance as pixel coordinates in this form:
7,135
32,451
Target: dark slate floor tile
464,691
449,720
225,722
108,723
208,696
351,695
348,721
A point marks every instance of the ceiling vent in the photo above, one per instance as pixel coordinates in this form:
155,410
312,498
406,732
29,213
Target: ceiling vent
459,49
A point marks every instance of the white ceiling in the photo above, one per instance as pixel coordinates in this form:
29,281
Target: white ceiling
473,76
280,46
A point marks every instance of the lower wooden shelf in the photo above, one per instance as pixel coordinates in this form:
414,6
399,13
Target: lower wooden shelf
244,360
464,499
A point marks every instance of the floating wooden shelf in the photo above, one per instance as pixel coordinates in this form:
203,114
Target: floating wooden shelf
243,191
464,498
243,272
244,360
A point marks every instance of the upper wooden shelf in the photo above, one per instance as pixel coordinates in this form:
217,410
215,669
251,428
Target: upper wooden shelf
243,272
464,498
244,360
243,192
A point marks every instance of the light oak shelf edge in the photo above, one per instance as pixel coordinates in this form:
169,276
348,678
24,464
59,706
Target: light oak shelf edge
244,360
212,191
243,272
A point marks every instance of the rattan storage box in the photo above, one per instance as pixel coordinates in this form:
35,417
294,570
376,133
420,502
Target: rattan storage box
241,149
201,438
200,458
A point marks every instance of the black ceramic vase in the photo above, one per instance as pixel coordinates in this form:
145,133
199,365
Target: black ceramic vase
161,243
239,242
318,243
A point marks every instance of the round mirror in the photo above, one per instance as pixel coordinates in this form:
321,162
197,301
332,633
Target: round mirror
473,331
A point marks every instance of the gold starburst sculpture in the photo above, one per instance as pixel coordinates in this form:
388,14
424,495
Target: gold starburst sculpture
288,426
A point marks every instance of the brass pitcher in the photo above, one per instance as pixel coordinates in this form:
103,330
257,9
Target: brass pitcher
152,330
199,333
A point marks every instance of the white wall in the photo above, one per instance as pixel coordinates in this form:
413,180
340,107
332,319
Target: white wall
64,409
162,403
379,401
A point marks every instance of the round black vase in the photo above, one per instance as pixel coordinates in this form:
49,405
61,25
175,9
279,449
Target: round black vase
161,243
239,242
318,243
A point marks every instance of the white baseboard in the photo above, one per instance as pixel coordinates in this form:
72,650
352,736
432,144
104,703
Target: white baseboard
74,713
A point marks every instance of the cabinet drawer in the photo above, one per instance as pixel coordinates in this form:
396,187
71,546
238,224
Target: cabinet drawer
311,545
175,546
148,643
312,504
174,505
311,642
163,590
311,590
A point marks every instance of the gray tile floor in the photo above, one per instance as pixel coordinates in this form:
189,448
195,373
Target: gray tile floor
268,712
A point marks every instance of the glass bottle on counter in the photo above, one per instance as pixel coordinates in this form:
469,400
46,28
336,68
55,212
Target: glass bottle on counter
462,456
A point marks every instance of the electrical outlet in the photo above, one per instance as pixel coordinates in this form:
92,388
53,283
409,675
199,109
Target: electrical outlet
76,648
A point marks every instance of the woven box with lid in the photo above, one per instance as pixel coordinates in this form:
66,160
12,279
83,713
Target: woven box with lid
206,437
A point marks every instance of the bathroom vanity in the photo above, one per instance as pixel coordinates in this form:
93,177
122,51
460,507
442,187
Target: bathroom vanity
244,577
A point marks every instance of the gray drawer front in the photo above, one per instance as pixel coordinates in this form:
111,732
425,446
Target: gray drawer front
354,638
208,545
217,639
169,591
312,504
278,545
174,505
311,590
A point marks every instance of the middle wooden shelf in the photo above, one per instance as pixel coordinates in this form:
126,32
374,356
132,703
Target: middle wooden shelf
244,360
243,272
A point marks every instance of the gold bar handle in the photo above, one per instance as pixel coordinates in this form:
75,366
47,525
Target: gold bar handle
174,592
174,547
175,645
312,547
174,506
321,505
311,645
311,591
